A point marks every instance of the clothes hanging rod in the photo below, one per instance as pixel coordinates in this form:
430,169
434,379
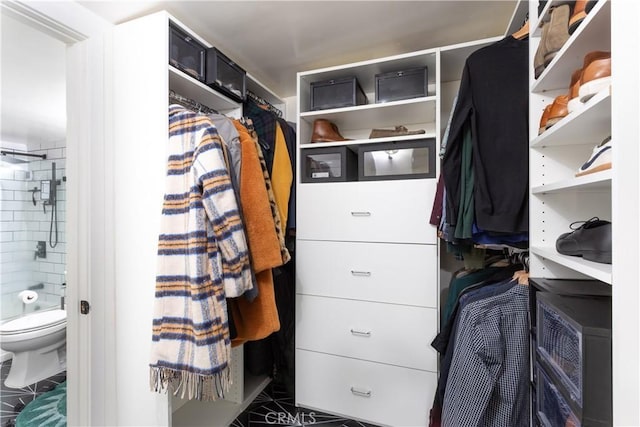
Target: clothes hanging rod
18,153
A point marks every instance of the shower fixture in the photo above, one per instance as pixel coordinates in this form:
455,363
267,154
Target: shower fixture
9,156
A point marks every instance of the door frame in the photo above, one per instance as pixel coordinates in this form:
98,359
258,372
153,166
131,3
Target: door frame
91,398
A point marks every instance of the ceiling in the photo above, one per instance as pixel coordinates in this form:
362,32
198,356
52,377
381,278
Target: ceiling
273,40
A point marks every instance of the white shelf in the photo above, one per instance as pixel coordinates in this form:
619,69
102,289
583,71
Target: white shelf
593,182
189,87
367,141
389,114
587,38
591,124
593,269
255,86
220,412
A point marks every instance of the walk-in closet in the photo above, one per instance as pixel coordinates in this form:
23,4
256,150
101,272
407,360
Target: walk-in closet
348,213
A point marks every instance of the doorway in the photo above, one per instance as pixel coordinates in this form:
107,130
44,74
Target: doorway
32,212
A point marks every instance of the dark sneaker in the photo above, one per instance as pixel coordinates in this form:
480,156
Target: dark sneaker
589,239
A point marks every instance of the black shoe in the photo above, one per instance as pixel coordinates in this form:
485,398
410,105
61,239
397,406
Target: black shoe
590,240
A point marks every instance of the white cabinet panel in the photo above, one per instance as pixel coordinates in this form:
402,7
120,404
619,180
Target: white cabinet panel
382,394
381,211
387,333
383,272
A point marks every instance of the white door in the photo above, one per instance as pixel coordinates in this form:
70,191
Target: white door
90,344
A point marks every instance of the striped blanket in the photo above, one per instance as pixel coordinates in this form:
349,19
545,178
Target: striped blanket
202,251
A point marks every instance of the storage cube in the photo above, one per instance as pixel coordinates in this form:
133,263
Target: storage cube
329,164
224,75
397,160
400,85
574,344
552,409
186,54
337,93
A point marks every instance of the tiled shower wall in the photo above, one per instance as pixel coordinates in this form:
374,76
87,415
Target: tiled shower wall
22,225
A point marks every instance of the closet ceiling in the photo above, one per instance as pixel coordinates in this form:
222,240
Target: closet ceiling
275,39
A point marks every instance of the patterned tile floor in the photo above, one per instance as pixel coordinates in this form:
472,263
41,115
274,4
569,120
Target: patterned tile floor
14,400
274,406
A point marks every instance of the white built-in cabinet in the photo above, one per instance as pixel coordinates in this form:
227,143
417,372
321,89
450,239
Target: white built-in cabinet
367,259
557,198
142,81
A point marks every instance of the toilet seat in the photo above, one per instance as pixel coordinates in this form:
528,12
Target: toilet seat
55,319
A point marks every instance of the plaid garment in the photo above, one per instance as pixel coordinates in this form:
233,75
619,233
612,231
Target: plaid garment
201,249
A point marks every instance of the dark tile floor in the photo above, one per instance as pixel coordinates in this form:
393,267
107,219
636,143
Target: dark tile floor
14,400
274,406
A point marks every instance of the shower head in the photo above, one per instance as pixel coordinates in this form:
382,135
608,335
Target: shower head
13,157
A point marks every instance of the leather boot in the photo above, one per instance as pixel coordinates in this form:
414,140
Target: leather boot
538,60
578,15
544,119
326,131
558,110
596,74
558,32
574,91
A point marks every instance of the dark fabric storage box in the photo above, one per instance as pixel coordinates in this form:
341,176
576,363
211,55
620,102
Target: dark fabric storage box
224,75
412,159
337,93
186,54
329,164
399,85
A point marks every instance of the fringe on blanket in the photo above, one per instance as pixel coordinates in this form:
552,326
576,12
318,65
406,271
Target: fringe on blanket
188,385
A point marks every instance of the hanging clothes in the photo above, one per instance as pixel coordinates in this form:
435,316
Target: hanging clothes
264,123
202,257
488,380
290,138
493,101
259,318
280,230
281,175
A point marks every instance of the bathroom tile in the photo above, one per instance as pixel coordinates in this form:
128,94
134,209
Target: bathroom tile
14,400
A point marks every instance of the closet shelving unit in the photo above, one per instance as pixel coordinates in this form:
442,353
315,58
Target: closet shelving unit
144,76
377,338
558,198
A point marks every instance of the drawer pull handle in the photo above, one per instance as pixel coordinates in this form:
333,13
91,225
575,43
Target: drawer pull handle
361,333
362,213
361,393
361,273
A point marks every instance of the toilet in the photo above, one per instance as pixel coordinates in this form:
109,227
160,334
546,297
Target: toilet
38,343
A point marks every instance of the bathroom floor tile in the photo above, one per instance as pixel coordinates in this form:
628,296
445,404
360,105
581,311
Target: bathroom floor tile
14,400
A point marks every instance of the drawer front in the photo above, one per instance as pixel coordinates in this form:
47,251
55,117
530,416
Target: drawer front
381,211
387,333
393,273
376,393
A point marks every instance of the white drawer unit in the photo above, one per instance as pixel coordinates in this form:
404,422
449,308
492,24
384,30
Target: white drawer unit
378,393
380,211
382,272
387,333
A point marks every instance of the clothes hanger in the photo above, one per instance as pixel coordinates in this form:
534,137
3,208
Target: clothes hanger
523,32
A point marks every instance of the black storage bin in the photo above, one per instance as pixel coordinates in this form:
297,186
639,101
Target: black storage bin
337,93
399,85
225,76
186,54
574,348
397,160
329,164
